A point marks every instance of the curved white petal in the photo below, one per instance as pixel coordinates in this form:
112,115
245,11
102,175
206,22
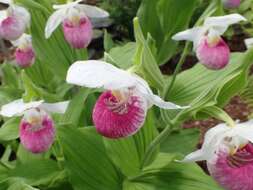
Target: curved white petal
221,23
198,155
99,74
212,141
54,21
17,107
245,130
249,43
24,39
67,5
143,88
59,107
93,11
6,1
193,34
21,13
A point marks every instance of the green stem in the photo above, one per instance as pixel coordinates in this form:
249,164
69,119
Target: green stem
4,165
178,68
155,143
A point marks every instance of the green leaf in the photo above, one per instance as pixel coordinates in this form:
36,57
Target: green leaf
86,160
7,94
182,141
200,87
75,108
54,53
133,148
10,76
164,174
10,130
36,172
123,55
162,19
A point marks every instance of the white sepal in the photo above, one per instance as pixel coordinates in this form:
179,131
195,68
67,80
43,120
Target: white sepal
245,130
212,142
59,107
24,39
143,88
249,43
221,23
17,107
20,13
99,74
6,1
93,11
67,5
54,21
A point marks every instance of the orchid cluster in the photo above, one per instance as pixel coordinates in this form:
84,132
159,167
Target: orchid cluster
121,110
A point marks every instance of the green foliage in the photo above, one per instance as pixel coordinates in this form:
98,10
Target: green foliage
167,17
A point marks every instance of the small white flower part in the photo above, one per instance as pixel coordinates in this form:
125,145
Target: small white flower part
121,110
72,11
249,43
211,49
14,21
36,128
229,155
19,107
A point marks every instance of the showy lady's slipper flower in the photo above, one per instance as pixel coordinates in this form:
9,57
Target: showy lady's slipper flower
212,51
120,111
13,21
24,53
231,4
229,155
75,19
36,127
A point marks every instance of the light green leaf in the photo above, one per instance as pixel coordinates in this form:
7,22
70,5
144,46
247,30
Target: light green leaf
10,130
86,160
133,148
164,174
182,141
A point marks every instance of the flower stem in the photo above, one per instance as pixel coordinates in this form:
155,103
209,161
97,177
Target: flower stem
155,143
178,68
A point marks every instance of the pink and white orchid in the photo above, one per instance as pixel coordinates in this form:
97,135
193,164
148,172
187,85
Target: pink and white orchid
121,110
229,155
75,19
13,21
24,53
36,127
212,51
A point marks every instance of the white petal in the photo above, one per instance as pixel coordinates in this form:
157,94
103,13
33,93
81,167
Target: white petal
6,1
143,87
249,42
22,13
54,21
59,107
194,156
99,74
245,130
193,34
221,23
24,39
212,141
67,5
17,107
93,11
